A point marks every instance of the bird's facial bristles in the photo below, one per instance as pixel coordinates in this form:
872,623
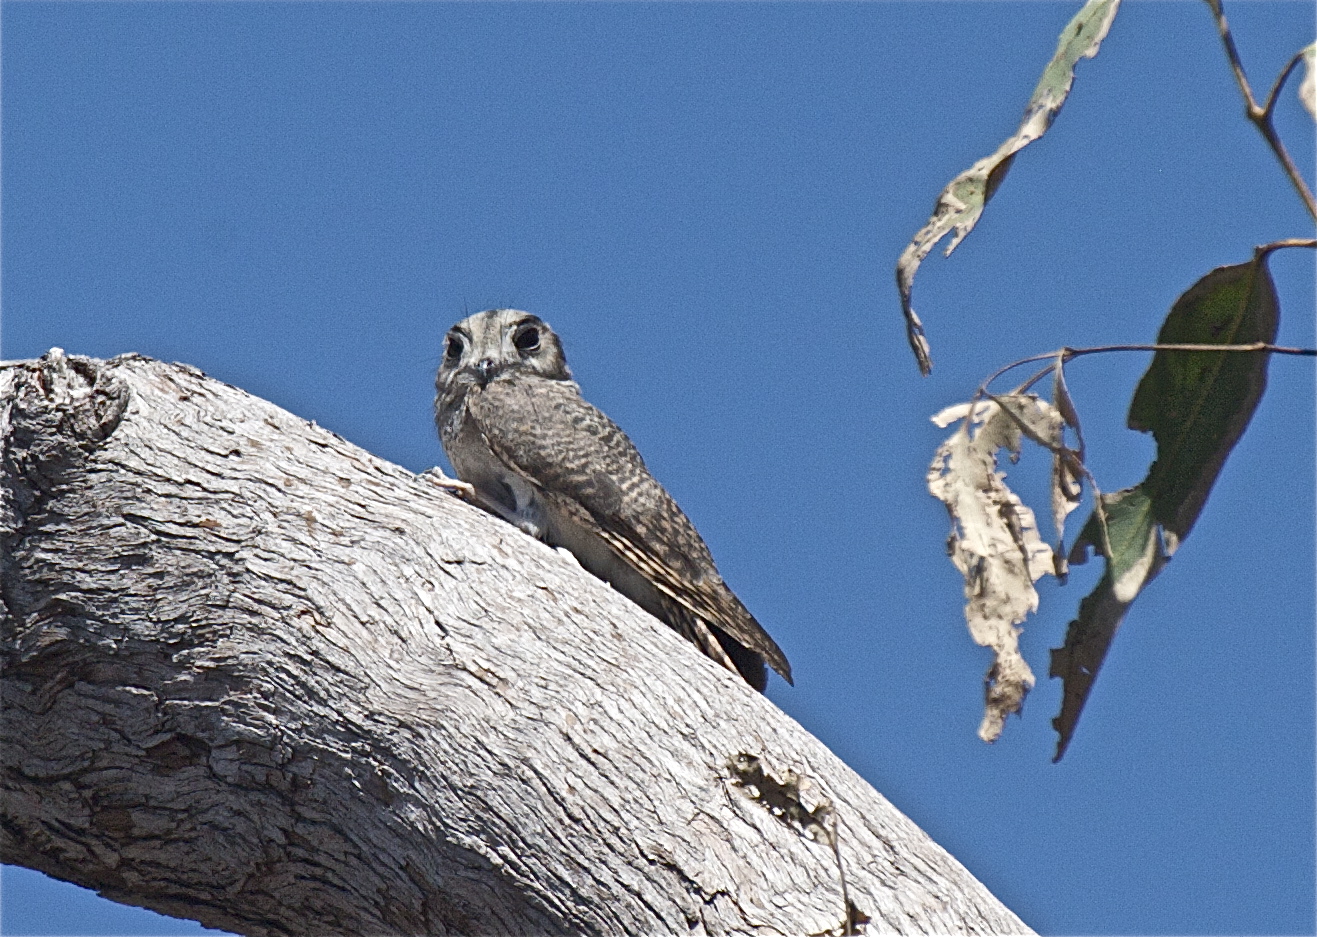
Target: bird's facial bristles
498,342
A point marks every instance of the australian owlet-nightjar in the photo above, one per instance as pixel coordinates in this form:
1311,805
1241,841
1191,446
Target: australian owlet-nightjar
515,427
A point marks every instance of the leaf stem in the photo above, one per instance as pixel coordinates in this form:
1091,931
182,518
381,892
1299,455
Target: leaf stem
1024,388
1188,346
1266,249
1066,354
1261,115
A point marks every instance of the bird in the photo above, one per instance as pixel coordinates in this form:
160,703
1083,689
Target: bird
516,429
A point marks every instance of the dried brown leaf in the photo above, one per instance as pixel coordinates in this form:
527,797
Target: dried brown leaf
1045,425
961,203
994,539
1067,467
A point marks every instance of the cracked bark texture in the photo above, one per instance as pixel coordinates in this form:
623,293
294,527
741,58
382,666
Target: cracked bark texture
257,677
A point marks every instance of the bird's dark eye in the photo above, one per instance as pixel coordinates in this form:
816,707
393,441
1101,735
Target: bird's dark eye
452,349
527,339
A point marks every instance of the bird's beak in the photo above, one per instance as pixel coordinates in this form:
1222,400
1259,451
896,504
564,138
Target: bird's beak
485,369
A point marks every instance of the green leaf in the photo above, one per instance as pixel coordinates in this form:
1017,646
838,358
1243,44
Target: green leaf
1087,641
1197,404
1132,535
1134,559
961,202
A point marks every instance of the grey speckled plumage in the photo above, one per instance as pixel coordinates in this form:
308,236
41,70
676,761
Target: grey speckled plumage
515,426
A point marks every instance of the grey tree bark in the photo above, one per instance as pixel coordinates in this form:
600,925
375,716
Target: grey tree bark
258,677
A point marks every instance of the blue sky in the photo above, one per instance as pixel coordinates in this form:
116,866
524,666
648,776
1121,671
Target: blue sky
706,202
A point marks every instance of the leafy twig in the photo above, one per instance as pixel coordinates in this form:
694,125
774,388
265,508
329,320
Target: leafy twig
1261,115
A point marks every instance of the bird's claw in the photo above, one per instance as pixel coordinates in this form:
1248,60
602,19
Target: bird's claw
464,490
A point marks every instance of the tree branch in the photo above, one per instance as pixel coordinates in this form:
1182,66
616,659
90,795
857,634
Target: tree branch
1261,115
255,676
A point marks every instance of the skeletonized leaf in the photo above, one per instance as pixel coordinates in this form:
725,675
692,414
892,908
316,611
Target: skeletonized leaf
1196,405
994,542
958,411
1045,424
1034,417
1308,87
961,202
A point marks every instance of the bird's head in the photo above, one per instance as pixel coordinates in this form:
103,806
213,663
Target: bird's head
498,342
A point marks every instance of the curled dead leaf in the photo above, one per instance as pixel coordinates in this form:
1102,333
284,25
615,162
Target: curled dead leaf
994,539
961,203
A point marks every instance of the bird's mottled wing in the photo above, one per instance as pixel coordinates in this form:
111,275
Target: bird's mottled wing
587,468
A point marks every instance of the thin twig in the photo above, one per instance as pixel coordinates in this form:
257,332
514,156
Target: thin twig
1266,249
1261,116
847,925
1270,104
1232,53
1066,354
1191,346
983,388
1024,388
